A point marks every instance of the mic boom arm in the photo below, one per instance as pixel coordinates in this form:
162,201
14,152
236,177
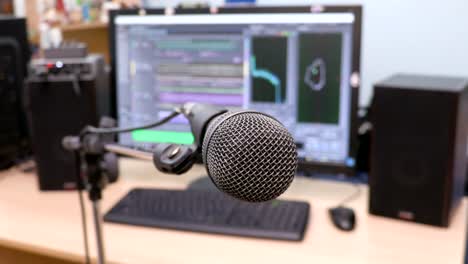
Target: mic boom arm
129,152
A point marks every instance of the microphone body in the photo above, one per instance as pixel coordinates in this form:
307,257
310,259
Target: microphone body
249,155
199,116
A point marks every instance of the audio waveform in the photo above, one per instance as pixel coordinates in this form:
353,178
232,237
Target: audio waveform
214,90
190,81
201,69
197,45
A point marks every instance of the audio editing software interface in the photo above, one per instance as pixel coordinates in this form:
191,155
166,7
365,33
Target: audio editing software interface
295,67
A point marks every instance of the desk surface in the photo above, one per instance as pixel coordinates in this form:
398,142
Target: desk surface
49,223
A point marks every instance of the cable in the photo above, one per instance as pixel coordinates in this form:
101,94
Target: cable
95,130
353,196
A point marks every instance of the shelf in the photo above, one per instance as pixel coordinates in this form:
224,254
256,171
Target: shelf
84,26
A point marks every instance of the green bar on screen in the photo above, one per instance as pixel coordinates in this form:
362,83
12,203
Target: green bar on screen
155,136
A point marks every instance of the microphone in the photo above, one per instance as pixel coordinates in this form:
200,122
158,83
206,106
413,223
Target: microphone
248,155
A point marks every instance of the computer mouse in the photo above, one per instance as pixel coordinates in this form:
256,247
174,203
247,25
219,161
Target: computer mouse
343,218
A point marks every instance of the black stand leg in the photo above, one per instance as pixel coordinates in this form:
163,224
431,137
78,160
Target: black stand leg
97,183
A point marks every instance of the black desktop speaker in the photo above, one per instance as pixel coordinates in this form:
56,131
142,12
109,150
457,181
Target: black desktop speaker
14,56
11,81
419,147
63,96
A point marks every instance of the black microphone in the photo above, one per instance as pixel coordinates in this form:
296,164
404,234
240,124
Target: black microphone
248,155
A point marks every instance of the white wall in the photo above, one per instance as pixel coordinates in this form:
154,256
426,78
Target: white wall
413,36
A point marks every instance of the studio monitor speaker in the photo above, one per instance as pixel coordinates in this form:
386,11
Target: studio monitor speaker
419,147
60,103
11,81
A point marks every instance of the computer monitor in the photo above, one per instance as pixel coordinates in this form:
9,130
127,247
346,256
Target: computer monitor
300,65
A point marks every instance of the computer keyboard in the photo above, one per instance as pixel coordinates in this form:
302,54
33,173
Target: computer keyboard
211,212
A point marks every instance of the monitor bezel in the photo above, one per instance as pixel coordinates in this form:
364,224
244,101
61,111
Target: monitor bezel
306,167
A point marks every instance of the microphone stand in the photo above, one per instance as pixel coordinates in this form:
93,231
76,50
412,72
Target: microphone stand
99,169
97,183
91,150
93,144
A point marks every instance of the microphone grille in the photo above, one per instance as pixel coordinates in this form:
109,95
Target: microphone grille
249,155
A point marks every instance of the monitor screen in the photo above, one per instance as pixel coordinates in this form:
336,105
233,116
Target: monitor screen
295,67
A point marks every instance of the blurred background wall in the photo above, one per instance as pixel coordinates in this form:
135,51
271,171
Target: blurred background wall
415,36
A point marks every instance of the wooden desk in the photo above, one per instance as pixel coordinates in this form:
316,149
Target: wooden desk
48,224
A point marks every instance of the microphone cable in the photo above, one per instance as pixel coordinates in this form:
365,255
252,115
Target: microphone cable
95,130
353,196
356,184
